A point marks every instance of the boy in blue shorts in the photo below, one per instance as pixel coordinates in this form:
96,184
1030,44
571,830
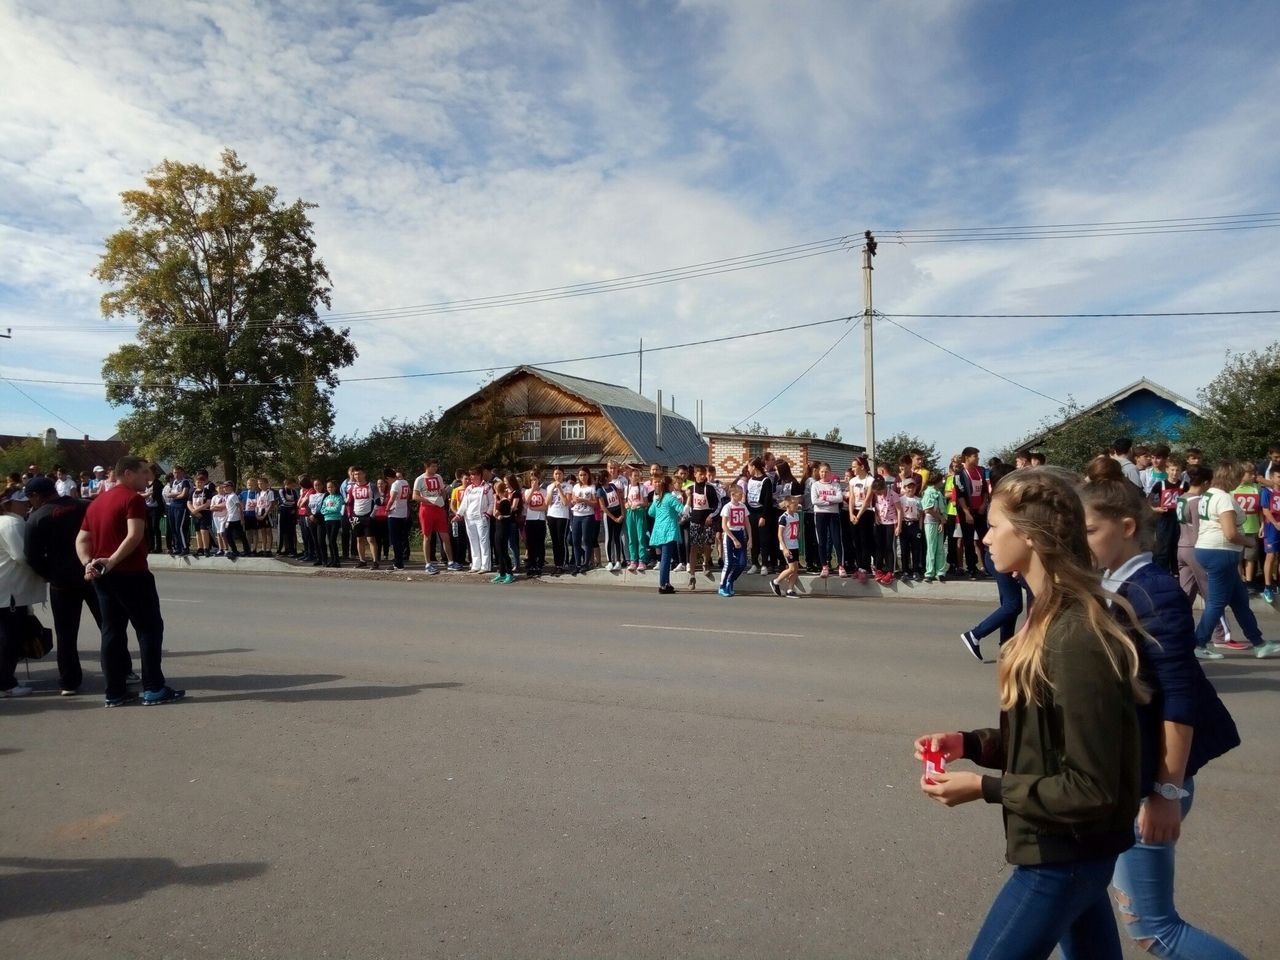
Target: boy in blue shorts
1271,537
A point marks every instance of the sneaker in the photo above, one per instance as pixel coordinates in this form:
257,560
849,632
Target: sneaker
119,701
454,567
972,644
928,579
1204,653
667,589
862,576
792,595
754,568
641,567
973,574
375,565
824,572
497,579
633,566
844,574
1265,650
1234,645
509,578
154,698
777,590
133,677
1269,594
16,691
360,564
67,692
723,592
431,569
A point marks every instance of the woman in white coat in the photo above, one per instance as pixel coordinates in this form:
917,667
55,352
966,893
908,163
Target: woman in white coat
20,587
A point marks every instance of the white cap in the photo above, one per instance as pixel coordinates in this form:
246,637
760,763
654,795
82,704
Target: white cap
99,469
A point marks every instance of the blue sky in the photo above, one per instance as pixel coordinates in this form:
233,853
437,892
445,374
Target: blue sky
469,149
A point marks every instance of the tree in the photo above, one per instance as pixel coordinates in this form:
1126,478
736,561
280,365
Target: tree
231,362
1240,406
891,449
16,457
753,429
399,444
832,435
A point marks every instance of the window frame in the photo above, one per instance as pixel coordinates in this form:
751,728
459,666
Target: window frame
536,430
573,429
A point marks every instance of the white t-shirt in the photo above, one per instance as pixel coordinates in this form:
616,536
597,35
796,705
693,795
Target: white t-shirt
430,489
826,496
734,516
558,501
585,500
535,504
266,500
476,502
235,508
858,487
1213,504
910,509
400,491
67,488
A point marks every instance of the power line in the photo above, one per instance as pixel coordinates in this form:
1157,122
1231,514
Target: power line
802,375
42,406
1079,235
972,363
453,373
1074,316
1093,223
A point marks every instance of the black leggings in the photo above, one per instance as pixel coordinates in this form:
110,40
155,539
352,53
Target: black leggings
504,525
884,547
559,538
864,540
535,538
614,548
332,534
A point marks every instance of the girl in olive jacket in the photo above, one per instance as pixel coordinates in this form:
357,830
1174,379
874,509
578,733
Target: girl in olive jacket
1067,748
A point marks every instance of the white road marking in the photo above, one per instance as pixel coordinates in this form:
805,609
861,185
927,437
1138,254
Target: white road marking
742,633
178,600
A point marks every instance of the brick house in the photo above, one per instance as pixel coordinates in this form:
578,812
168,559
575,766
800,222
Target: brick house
570,421
730,452
77,456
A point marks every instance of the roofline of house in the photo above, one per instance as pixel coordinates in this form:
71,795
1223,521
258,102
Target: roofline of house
1143,383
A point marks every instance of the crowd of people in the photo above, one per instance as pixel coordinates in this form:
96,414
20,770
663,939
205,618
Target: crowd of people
1106,713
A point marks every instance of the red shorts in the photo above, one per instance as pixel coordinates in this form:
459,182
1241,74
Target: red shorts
433,519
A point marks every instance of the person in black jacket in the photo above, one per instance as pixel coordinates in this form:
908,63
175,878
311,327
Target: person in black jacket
50,547
1183,727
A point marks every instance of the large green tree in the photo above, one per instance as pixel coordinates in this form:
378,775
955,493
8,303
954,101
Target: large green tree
891,449
231,361
1240,407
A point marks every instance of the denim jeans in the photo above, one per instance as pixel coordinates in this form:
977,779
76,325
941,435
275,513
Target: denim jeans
828,530
580,537
664,564
1006,615
1058,904
124,599
1226,589
1143,884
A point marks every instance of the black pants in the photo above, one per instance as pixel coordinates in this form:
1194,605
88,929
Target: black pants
461,545
759,536
535,540
849,542
615,551
912,542
233,529
559,527
504,526
811,559
66,601
124,599
288,533
971,533
176,518
398,533
333,531
381,538
884,547
155,528
315,528
1165,553
864,541
11,625
347,540
949,538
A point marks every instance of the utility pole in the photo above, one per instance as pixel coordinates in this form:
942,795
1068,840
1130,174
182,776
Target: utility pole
868,350
641,390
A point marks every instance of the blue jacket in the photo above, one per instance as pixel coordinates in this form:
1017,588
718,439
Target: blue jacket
666,520
1181,693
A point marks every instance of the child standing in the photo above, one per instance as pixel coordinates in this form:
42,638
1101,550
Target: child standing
637,511
1270,502
827,502
933,505
911,539
1249,497
704,503
234,528
502,516
535,525
888,525
735,520
789,545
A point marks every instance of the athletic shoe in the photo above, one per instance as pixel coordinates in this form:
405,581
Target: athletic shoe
942,578
1269,594
723,592
667,589
509,579
928,579
693,582
843,573
360,564
1265,650
754,568
1235,645
119,701
973,574
972,644
777,590
633,566
375,565
455,567
154,698
430,570
67,692
824,572
792,595
1204,653
497,579
641,567
16,691
862,576
133,677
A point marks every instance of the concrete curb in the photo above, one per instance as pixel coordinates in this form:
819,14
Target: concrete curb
961,590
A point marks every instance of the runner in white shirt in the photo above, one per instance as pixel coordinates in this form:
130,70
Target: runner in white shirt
475,507
535,525
558,515
359,513
397,516
268,516
430,493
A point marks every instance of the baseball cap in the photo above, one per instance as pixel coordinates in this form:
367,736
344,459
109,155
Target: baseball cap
42,486
99,469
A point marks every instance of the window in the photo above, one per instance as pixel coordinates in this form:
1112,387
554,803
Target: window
755,450
573,428
532,431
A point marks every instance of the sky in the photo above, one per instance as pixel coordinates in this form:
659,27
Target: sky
472,149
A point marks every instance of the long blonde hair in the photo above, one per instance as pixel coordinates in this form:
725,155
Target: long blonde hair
1042,505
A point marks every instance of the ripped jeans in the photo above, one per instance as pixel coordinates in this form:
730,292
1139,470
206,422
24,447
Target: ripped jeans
1143,885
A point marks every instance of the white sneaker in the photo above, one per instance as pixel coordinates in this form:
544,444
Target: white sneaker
753,569
18,691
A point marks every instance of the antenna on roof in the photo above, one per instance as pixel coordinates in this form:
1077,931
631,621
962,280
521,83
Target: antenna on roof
657,426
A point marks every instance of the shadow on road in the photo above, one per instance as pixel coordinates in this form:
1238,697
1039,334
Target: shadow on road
1229,677
43,886
253,681
323,694
168,654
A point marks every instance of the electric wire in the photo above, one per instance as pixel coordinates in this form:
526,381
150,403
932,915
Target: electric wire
42,406
800,377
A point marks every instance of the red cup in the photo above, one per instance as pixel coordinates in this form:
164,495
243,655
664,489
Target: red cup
933,763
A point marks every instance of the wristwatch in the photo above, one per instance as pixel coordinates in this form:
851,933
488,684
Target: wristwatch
1170,792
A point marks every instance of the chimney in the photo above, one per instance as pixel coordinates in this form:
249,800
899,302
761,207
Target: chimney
50,439
86,438
657,426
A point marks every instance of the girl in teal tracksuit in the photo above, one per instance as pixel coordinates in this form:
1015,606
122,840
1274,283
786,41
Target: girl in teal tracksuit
636,497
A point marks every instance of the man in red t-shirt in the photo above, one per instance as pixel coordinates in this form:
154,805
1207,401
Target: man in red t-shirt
112,546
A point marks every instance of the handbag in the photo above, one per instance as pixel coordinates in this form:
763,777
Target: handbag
37,639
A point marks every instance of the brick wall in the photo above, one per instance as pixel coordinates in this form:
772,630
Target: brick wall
730,454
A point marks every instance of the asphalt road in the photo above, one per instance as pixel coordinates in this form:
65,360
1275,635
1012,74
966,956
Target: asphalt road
389,769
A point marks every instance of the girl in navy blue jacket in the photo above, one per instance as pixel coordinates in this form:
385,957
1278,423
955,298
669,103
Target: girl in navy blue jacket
1183,727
